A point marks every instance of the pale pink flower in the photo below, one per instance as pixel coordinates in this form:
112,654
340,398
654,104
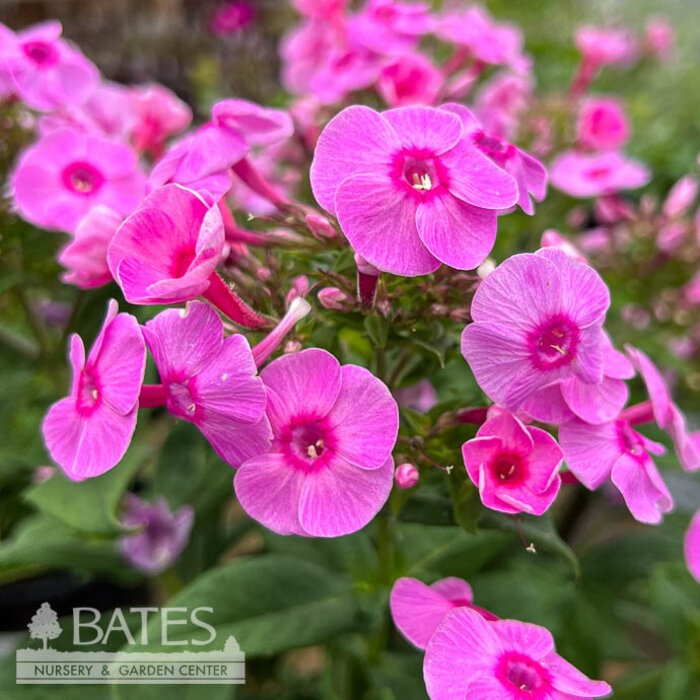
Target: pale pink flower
48,72
671,236
162,537
409,79
593,403
85,256
681,196
88,432
659,37
501,102
515,467
418,609
209,380
329,469
667,415
487,40
595,174
159,114
419,397
406,475
468,657
408,190
61,177
691,547
614,450
600,46
553,239
530,175
602,124
537,320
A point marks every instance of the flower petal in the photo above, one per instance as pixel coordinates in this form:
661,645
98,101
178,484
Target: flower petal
425,128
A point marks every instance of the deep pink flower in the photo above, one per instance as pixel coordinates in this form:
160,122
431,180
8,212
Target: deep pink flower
232,17
515,467
530,175
668,416
60,178
85,256
410,79
501,102
537,320
487,40
471,658
48,72
163,536
593,403
614,450
329,469
418,609
167,250
88,432
595,174
210,380
408,190
159,114
406,475
691,547
602,124
600,46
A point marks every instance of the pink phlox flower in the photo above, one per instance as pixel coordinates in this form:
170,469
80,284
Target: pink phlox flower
595,174
602,124
659,37
168,249
602,46
85,256
468,657
667,415
537,320
62,176
593,403
321,9
88,432
329,469
210,380
419,397
409,79
691,547
529,173
159,114
48,72
409,191
163,536
516,467
615,450
418,609
231,18
681,196
489,41
501,102
553,239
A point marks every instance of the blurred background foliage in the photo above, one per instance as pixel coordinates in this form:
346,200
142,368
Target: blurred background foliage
311,615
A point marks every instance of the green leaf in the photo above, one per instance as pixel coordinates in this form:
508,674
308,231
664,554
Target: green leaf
537,530
466,502
90,505
377,328
270,604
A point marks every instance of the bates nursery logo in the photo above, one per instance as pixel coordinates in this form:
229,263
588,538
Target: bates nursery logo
89,665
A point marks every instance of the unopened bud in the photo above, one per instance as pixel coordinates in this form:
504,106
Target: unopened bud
366,268
681,196
300,287
406,476
335,299
320,227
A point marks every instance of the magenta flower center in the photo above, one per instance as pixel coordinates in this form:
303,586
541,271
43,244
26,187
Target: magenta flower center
308,444
630,441
42,53
554,344
492,146
598,173
181,261
519,673
82,178
88,394
508,469
418,171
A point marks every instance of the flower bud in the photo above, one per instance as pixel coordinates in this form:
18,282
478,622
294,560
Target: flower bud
681,196
320,227
406,476
335,299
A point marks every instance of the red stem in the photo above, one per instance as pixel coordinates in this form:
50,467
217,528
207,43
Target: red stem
229,303
234,234
152,395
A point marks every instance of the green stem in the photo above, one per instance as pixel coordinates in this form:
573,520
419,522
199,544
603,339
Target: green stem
35,323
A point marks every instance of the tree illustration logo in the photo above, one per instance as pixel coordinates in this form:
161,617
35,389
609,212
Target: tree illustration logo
44,624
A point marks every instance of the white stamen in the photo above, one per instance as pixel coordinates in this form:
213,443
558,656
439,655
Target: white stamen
422,182
94,393
314,450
